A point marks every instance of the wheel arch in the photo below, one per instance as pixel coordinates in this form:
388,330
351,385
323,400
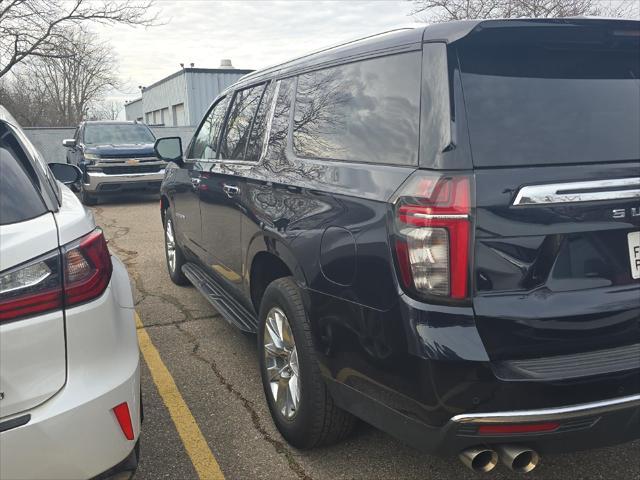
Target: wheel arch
269,258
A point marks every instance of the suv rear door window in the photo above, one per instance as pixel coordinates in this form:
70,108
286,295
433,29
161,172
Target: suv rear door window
548,102
365,111
19,199
241,114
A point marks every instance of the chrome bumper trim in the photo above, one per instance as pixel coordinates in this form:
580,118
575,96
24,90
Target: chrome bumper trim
548,414
98,178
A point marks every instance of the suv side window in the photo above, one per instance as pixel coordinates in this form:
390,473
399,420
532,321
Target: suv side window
205,144
243,110
18,196
366,111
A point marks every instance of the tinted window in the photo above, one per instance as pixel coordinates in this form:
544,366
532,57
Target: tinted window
256,137
205,144
280,123
365,111
243,110
551,103
117,134
19,200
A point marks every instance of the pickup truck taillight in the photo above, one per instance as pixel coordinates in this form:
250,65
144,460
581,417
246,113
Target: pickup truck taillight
77,273
432,235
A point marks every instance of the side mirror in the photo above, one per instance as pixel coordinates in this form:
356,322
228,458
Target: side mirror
66,173
169,149
69,143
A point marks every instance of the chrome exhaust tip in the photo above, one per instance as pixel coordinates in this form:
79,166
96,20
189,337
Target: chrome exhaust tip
479,459
518,458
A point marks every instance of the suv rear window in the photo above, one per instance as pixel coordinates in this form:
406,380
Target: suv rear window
552,102
19,200
365,111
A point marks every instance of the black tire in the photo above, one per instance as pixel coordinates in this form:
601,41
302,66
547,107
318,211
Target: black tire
317,420
87,199
175,271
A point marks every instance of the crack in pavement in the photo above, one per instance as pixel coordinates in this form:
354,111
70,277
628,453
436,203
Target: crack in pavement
279,446
128,258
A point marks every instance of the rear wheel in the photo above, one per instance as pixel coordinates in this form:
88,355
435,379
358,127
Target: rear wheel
298,399
175,258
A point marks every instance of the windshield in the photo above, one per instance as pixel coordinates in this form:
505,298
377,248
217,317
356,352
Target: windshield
117,134
547,103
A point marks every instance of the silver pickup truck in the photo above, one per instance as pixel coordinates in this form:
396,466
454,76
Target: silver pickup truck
115,157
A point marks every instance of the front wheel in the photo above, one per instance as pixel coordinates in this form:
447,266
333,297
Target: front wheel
175,258
300,404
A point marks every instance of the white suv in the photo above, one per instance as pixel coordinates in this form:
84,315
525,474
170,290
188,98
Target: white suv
69,359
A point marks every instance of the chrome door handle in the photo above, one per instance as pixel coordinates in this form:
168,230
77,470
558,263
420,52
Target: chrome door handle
230,190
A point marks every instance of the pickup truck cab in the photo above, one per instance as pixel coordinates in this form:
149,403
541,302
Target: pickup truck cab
114,157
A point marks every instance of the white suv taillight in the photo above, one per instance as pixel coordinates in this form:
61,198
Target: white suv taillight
79,274
87,268
432,234
31,288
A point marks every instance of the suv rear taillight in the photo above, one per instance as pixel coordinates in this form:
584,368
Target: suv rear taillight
87,268
432,235
79,274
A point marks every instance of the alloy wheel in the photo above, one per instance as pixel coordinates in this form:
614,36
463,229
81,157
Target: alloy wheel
281,363
171,246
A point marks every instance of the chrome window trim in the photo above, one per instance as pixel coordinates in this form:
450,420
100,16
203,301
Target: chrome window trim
574,192
548,414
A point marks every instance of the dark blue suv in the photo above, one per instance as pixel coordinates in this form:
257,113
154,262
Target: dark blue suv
114,157
436,230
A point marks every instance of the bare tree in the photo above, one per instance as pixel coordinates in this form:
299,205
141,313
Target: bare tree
34,28
444,10
59,90
105,110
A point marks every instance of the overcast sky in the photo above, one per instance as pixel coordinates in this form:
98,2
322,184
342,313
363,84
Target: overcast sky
252,34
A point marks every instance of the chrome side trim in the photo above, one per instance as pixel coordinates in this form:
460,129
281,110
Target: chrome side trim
547,414
574,192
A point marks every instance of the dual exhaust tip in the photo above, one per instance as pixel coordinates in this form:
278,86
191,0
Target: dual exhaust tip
517,458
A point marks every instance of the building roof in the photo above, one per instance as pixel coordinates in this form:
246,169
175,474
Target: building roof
198,70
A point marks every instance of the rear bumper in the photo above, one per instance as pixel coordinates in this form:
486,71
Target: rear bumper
421,373
75,434
98,182
581,427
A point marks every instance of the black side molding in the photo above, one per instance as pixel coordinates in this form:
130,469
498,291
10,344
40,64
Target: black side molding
15,422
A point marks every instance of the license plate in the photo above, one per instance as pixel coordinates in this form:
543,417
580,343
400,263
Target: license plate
634,253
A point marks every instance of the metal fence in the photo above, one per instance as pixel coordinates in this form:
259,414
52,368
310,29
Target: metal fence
48,140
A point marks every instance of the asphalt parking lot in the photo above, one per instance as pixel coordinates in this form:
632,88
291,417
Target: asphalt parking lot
211,420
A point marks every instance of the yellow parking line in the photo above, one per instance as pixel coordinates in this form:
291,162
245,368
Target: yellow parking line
199,452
